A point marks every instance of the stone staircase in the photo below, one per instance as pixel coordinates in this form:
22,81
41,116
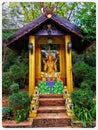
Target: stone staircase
51,112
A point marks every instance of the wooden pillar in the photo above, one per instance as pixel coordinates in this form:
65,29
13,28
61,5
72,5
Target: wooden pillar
68,64
32,67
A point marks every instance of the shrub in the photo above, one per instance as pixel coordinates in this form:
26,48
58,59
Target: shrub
85,85
7,113
6,82
93,108
84,114
16,72
25,99
10,60
84,106
15,101
91,78
16,68
19,101
80,70
22,114
14,88
84,75
90,56
82,97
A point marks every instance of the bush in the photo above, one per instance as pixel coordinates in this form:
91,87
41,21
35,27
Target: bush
84,114
19,101
84,106
25,99
82,97
10,60
14,88
91,78
22,115
16,72
16,68
84,75
93,108
90,56
15,101
6,82
85,85
7,114
80,70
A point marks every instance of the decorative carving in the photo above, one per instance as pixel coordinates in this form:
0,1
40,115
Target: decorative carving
34,104
68,102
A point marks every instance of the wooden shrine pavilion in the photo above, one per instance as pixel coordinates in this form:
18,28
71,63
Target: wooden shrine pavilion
56,32
49,40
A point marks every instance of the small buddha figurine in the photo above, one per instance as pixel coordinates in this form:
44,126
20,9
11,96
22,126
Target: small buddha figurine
50,66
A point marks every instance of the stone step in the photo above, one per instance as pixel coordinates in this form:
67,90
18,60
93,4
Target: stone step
51,120
51,115
51,109
50,95
51,101
14,124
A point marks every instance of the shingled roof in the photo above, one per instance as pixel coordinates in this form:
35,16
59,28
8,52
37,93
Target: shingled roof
20,39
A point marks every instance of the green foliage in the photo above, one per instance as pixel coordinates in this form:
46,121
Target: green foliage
15,101
7,113
93,108
82,97
6,82
80,70
91,77
14,88
22,115
6,33
84,69
10,60
25,99
90,56
85,18
15,70
19,100
89,80
20,103
85,85
84,106
84,114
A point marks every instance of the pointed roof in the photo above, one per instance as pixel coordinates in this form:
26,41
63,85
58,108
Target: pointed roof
20,39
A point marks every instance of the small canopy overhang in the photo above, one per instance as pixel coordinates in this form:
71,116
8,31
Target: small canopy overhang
39,27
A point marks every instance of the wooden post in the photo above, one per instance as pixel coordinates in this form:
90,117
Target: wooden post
32,67
68,64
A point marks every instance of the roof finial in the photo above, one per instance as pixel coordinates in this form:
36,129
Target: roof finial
48,9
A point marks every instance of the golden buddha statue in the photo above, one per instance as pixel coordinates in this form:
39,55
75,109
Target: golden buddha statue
50,66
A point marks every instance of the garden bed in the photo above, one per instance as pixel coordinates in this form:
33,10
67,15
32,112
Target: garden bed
78,124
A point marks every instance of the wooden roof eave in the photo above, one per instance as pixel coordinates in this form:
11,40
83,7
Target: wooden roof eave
17,34
60,22
63,24
37,22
